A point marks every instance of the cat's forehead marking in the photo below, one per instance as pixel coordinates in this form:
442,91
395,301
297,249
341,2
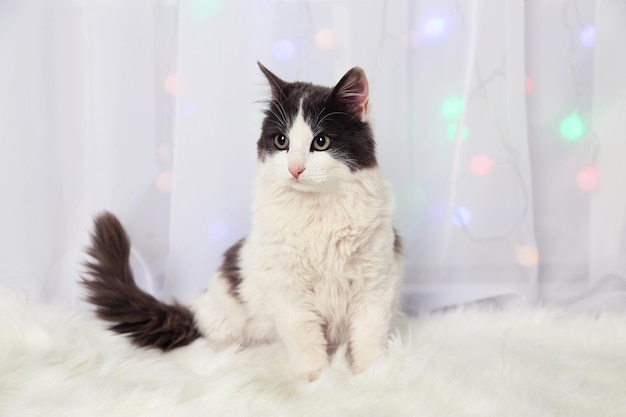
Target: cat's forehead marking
303,113
300,136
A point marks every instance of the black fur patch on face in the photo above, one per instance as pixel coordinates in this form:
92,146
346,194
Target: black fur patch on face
230,269
327,113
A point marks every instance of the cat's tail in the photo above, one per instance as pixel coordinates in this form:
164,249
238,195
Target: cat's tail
112,289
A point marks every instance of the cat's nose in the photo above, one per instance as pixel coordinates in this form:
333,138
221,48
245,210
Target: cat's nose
296,171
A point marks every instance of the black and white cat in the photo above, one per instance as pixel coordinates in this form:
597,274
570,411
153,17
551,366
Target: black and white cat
322,265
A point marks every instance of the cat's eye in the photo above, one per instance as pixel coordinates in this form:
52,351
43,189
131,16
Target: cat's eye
281,142
321,143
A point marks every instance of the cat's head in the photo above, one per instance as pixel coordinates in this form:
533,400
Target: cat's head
314,137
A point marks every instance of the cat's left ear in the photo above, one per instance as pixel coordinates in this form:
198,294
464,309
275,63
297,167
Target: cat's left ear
277,85
352,93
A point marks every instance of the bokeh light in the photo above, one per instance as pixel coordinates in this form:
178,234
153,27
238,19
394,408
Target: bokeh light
164,181
412,38
434,27
527,255
172,84
529,85
587,36
203,9
572,127
452,108
481,165
587,179
453,131
326,39
284,50
218,232
462,216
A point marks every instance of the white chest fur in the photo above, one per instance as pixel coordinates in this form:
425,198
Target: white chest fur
319,247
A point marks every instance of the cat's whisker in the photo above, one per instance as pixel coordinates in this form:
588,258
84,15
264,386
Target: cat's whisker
315,120
284,113
277,123
280,121
336,113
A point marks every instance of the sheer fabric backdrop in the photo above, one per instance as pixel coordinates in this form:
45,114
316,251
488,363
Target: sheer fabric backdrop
498,125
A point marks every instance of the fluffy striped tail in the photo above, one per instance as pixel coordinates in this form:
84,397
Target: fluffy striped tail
112,289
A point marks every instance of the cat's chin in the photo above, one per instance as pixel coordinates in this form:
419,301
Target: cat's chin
304,187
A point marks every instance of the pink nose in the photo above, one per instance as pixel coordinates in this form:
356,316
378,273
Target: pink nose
296,171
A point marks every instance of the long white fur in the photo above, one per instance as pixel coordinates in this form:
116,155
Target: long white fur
60,362
318,268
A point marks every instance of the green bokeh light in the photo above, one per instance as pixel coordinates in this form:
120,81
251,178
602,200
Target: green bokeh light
572,127
452,130
203,9
452,108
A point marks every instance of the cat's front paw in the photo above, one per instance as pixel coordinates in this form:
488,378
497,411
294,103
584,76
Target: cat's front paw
362,359
309,369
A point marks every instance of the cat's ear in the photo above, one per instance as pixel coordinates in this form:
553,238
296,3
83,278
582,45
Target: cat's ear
277,85
352,93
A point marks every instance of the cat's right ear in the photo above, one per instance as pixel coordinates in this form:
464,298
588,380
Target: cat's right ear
277,85
352,93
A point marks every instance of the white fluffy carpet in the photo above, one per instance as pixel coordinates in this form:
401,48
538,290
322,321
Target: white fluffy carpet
55,362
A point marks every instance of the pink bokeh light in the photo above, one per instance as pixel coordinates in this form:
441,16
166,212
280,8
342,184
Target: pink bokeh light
481,165
587,179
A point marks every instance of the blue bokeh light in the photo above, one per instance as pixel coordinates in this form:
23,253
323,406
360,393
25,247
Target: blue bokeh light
218,231
434,28
462,216
284,50
587,36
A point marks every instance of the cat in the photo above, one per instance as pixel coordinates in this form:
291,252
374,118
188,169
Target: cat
322,265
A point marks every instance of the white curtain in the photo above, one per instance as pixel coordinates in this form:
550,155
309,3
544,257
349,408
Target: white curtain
499,125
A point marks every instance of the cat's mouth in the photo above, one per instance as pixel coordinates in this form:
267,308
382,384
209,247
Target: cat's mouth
302,185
